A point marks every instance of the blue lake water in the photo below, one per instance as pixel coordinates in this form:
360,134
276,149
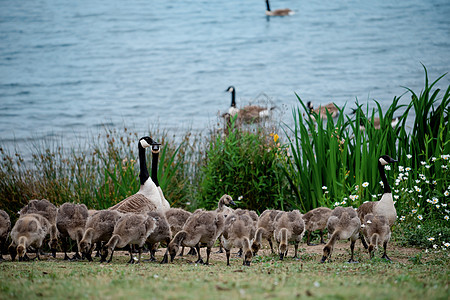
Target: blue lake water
69,67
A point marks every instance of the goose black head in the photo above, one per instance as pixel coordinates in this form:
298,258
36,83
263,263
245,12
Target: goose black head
386,159
147,141
230,89
310,105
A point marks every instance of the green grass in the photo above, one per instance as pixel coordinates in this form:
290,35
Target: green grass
421,276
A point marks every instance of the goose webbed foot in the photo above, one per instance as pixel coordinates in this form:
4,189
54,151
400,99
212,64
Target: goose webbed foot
76,256
220,250
311,244
199,261
352,261
386,257
239,253
66,257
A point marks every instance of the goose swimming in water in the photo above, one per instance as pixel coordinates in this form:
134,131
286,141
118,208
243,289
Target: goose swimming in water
277,12
247,114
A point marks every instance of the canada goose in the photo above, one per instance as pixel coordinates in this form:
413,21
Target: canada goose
29,230
177,217
161,233
342,224
49,211
322,110
71,221
148,198
289,227
316,219
385,207
265,229
131,229
247,114
5,227
376,121
99,228
225,210
201,227
377,231
155,155
238,231
277,12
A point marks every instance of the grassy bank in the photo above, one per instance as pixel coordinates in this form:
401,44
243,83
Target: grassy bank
413,274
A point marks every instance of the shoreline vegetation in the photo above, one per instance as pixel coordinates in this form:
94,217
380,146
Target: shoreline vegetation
274,166
331,163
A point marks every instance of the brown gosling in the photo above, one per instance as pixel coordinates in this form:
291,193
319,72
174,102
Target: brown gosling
71,222
377,231
161,233
148,198
202,227
316,219
238,231
99,228
265,229
29,230
342,224
289,227
49,211
131,229
253,217
224,209
385,207
5,227
177,217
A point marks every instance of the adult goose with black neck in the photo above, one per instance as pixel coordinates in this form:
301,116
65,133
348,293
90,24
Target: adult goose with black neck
385,207
278,12
148,198
247,114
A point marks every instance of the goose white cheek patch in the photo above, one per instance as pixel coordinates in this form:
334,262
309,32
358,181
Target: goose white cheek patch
383,162
144,144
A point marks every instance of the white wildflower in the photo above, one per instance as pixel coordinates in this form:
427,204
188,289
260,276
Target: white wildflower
365,184
409,156
324,188
387,167
431,239
420,217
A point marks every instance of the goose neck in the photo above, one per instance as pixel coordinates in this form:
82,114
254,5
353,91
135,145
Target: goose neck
386,187
268,5
143,174
155,156
233,98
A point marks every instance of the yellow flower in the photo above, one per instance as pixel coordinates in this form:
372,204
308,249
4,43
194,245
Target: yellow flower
275,137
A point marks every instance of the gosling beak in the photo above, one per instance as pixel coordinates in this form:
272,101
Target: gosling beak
233,203
323,259
281,256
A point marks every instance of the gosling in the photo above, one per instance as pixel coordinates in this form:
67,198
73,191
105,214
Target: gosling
176,217
99,228
342,224
265,230
161,233
71,221
5,227
238,231
202,227
131,229
289,227
377,231
316,219
29,230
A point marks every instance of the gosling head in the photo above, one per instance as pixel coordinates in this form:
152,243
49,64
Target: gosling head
21,251
282,250
326,253
255,247
85,248
104,254
248,257
173,250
